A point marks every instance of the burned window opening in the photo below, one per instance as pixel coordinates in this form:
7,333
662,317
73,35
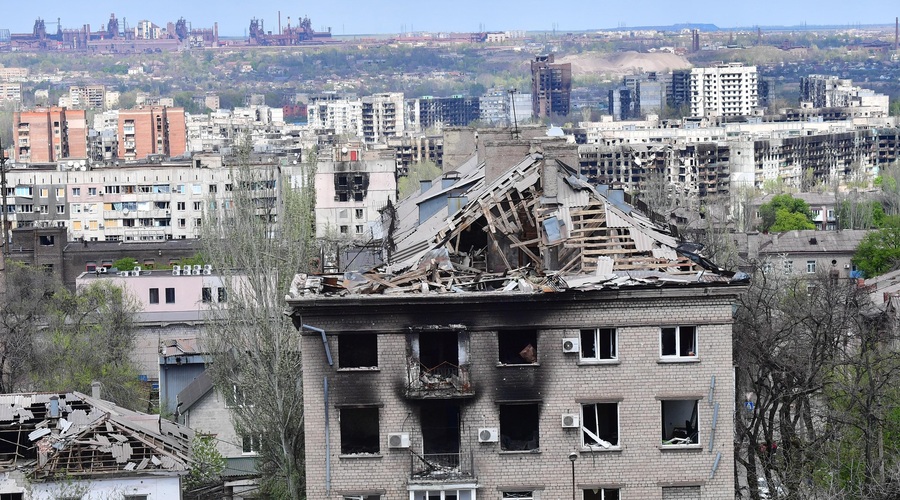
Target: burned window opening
598,344
359,431
519,427
358,351
517,347
439,353
351,186
440,422
600,425
679,422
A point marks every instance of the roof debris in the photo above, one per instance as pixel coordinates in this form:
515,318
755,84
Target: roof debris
510,237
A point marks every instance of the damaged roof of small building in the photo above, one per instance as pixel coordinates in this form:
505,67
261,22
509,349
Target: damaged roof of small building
74,435
543,227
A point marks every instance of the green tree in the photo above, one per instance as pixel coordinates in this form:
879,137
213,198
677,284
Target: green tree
206,467
879,251
252,344
90,336
785,213
125,264
422,171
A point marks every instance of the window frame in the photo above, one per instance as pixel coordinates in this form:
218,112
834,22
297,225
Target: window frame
810,267
373,450
154,296
697,424
597,358
597,419
508,406
691,355
170,295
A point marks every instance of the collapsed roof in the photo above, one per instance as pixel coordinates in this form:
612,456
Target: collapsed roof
539,226
73,435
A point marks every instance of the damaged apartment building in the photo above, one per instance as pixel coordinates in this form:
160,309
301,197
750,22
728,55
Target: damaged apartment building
699,163
530,336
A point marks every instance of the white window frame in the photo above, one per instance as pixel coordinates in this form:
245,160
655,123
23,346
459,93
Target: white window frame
696,402
678,354
603,492
597,445
810,267
420,492
597,357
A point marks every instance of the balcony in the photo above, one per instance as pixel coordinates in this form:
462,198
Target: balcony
445,380
429,467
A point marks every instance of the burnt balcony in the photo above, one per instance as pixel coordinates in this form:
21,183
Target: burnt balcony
429,467
445,380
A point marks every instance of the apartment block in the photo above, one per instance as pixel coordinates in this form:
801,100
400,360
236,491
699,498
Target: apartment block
823,91
514,362
47,135
153,130
551,87
383,116
436,112
87,96
10,91
341,115
724,90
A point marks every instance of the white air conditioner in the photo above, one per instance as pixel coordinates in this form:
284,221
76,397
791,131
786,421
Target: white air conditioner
207,269
488,435
197,268
570,421
846,266
135,273
137,269
398,440
176,268
570,344
102,270
123,274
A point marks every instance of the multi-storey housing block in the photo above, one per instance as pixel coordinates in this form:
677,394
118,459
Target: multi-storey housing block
568,349
551,87
152,130
724,90
87,96
383,115
47,135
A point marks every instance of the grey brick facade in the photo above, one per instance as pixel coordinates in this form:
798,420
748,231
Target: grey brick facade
639,381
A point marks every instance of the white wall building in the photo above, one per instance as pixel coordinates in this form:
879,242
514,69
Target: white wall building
724,90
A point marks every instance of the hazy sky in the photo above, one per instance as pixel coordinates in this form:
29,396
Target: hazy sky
376,16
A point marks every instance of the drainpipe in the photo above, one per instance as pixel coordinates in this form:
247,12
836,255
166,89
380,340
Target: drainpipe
324,341
327,444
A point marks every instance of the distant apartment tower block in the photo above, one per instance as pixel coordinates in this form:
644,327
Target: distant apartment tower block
153,130
724,90
551,87
87,96
382,116
47,135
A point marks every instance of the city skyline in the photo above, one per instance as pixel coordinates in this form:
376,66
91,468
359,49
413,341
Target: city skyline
233,17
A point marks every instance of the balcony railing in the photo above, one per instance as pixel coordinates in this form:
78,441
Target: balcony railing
441,466
445,380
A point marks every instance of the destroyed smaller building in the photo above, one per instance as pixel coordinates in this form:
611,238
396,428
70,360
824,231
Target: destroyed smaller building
70,445
531,336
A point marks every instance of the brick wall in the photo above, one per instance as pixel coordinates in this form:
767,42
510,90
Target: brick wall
638,381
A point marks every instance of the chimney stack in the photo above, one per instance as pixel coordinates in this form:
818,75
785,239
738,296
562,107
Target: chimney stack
95,389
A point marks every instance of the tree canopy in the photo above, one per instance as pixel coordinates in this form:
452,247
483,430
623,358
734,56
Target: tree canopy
879,251
785,213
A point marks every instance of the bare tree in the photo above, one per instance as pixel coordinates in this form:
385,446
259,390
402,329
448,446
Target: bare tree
25,304
257,241
815,382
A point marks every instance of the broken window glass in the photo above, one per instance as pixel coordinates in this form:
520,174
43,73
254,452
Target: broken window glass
679,341
517,347
600,425
598,344
359,430
679,422
525,495
358,351
519,427
206,295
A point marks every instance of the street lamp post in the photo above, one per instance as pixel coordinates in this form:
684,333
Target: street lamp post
572,458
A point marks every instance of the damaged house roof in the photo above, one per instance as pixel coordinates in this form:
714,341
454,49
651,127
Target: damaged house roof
72,435
537,227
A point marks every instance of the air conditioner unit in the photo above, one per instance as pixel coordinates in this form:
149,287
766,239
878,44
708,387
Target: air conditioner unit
102,270
197,268
135,273
207,269
137,269
846,266
570,420
176,270
398,440
571,344
123,274
488,435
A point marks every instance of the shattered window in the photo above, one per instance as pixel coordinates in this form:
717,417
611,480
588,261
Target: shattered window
359,430
206,295
598,344
358,351
679,422
679,341
600,425
519,427
517,347
525,495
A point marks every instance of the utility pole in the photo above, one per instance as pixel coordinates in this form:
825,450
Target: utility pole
3,208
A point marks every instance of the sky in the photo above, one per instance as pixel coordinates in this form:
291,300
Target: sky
354,17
